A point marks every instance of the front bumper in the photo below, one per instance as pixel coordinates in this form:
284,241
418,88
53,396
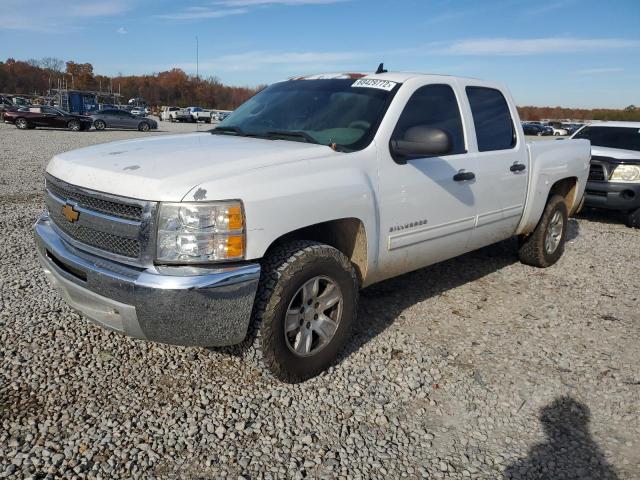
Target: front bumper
191,306
612,195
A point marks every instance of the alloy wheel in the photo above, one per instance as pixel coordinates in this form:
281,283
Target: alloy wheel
313,316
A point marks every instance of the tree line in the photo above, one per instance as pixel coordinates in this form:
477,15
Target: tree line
531,113
175,87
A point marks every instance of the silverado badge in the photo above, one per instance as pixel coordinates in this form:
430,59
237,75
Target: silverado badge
70,213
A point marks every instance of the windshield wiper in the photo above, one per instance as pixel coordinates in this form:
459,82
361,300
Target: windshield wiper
295,134
227,131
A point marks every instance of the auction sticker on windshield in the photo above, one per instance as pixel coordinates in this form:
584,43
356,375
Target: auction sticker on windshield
373,83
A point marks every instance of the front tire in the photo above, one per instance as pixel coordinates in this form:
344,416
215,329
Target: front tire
143,127
74,126
306,305
633,218
22,123
545,245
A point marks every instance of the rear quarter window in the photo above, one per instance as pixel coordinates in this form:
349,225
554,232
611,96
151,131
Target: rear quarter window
491,118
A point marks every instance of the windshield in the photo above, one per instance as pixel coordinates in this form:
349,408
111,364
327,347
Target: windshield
336,112
626,138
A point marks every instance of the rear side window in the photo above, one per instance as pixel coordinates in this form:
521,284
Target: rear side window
491,117
433,106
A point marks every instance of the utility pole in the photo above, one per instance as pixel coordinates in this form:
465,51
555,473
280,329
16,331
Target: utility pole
197,59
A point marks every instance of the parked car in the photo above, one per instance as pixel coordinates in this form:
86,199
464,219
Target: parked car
6,105
558,132
165,115
535,129
614,175
139,111
122,119
312,189
200,115
45,116
180,115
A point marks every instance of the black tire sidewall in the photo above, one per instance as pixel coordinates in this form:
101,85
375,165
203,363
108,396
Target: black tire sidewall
300,368
74,122
633,218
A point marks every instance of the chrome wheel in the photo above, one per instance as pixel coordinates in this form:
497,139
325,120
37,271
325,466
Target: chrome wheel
99,125
554,233
144,127
21,123
74,126
313,316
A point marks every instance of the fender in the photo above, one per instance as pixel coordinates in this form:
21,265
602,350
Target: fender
282,198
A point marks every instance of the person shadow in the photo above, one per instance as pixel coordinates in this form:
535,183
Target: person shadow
569,451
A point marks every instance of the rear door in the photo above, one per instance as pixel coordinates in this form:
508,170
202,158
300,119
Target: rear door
502,164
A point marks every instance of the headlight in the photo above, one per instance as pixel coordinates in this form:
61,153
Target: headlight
200,232
626,173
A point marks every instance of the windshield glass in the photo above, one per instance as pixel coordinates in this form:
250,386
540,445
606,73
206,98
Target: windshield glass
327,112
626,138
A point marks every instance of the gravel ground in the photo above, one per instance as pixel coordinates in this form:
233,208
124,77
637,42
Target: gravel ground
478,367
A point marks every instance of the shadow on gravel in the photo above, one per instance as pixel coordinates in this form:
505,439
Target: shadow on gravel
569,451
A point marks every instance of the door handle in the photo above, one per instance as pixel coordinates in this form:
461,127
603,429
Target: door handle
517,167
463,175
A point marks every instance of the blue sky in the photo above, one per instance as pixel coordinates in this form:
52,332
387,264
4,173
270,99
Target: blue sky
574,53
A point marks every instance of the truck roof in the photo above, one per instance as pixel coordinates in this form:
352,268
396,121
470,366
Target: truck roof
399,77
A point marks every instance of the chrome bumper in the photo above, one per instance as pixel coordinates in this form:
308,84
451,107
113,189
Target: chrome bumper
192,306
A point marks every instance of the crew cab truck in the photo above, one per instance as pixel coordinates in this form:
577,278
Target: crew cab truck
614,176
313,189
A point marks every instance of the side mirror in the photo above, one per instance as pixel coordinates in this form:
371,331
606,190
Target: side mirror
421,141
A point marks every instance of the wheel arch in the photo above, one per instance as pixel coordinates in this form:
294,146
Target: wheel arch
568,189
348,235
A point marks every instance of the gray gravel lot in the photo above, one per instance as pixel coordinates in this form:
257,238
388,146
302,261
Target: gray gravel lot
478,367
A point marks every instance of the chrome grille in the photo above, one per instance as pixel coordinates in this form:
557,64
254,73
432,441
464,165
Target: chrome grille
116,209
109,226
109,242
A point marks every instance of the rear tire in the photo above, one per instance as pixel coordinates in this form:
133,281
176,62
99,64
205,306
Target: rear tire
633,218
293,277
99,125
545,245
22,123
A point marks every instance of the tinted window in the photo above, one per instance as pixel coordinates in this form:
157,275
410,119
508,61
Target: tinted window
491,117
434,106
625,138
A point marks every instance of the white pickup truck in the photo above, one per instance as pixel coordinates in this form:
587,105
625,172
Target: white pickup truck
314,188
200,114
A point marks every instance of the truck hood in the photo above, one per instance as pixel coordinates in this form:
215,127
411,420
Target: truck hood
616,153
166,168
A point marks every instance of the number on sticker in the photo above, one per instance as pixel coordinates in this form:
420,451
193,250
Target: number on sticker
373,83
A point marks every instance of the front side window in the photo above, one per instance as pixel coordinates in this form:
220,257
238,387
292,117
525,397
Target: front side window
340,112
491,117
625,138
433,106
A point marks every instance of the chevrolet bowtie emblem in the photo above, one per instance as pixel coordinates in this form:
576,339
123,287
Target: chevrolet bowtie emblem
69,212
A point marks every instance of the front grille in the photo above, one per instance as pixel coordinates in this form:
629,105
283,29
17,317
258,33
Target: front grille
109,242
596,173
115,209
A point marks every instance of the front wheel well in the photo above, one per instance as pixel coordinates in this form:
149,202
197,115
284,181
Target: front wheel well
567,188
348,235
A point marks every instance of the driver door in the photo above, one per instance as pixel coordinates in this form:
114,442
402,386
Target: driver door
427,211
